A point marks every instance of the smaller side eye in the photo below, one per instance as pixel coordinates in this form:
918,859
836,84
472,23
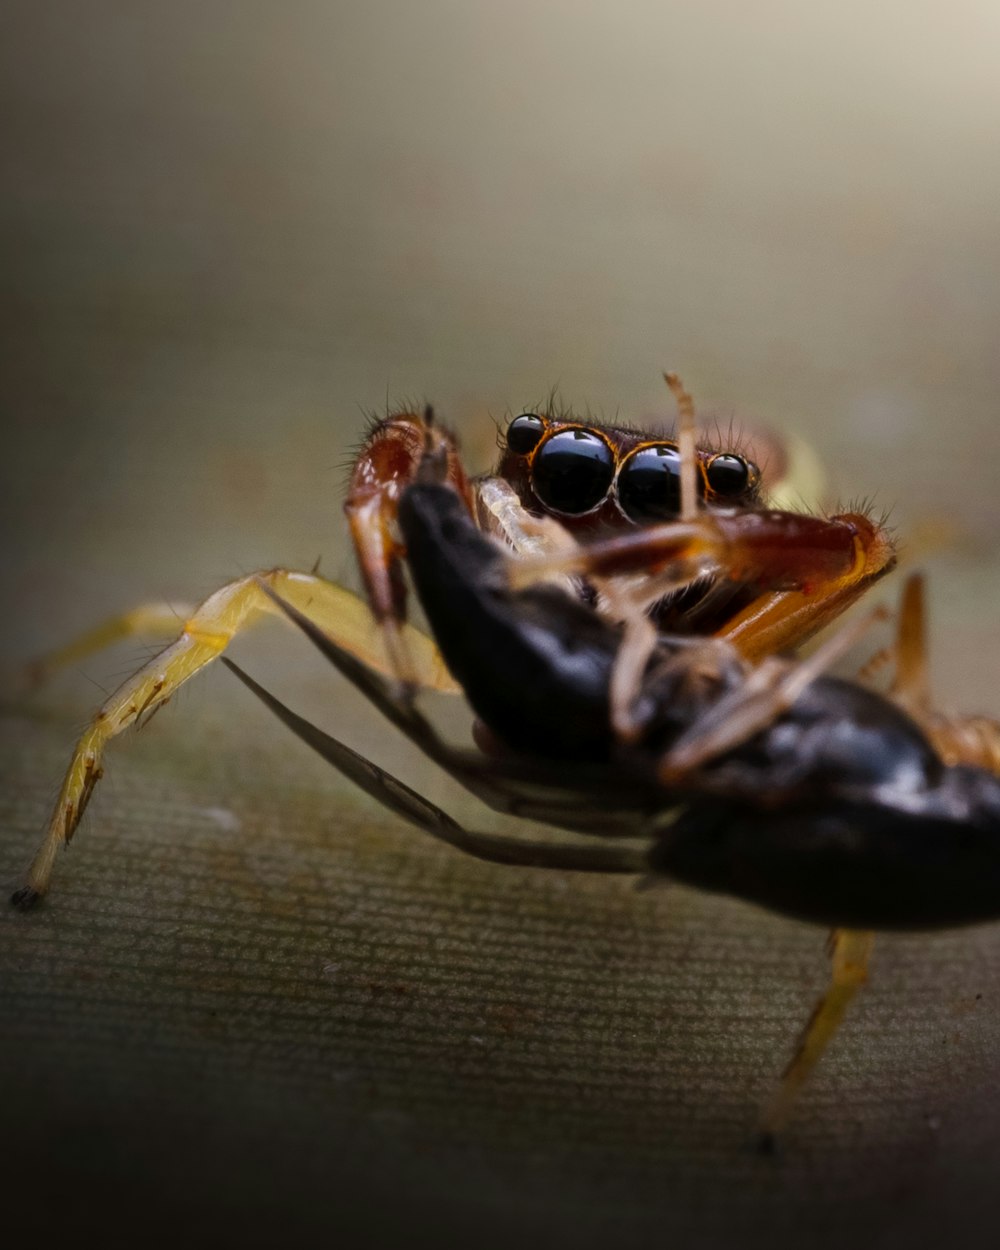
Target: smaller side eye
524,433
728,475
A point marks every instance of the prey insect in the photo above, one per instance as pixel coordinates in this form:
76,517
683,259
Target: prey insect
625,685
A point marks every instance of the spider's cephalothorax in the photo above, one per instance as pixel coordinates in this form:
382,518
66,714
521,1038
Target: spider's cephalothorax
762,577
593,478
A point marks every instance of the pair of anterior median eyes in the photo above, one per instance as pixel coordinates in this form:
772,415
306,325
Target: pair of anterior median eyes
574,469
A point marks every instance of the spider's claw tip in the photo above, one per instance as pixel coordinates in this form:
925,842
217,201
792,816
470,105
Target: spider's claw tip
25,898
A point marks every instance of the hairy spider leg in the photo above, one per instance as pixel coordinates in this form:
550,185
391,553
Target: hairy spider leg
581,854
206,634
911,684
385,466
849,953
970,740
783,619
158,621
807,570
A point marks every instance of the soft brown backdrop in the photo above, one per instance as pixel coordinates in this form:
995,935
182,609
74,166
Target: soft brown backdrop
254,1002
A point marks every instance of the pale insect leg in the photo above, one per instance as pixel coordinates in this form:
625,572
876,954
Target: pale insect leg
850,951
640,637
628,600
686,446
500,513
768,690
206,634
637,645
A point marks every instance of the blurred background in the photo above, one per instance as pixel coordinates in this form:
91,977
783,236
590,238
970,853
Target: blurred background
228,232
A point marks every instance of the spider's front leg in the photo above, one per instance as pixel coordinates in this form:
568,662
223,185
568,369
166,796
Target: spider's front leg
814,569
386,464
958,739
804,570
850,951
205,635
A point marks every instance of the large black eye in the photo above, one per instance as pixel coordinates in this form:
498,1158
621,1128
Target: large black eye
572,471
649,484
728,475
524,433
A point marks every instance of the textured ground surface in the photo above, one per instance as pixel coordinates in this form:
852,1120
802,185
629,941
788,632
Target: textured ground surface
255,994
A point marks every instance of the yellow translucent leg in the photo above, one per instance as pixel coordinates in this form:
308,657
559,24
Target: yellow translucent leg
206,634
149,620
850,951
970,740
911,685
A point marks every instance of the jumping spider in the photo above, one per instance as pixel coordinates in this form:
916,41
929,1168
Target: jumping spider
611,603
